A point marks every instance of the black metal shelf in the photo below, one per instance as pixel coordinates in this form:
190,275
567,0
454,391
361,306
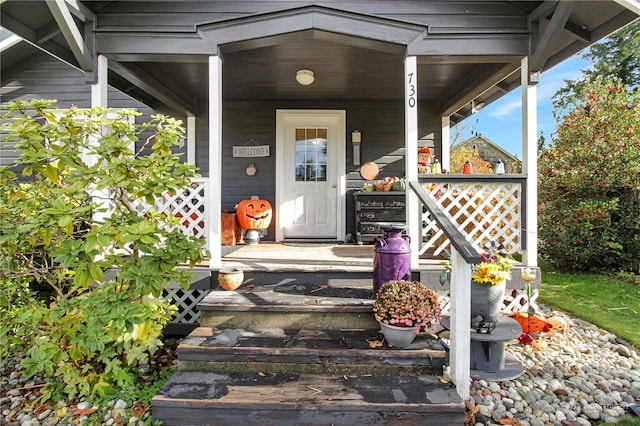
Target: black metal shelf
372,213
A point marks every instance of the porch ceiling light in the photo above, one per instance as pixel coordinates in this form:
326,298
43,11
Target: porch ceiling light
305,77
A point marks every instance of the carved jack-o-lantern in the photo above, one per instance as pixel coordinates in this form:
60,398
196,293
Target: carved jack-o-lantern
254,214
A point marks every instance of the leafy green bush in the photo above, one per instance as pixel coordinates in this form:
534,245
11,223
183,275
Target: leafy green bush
16,299
75,235
590,183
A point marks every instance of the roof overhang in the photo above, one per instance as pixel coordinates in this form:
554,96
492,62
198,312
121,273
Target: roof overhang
357,56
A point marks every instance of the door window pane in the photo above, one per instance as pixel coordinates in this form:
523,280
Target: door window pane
311,155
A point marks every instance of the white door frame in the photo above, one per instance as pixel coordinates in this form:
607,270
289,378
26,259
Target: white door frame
282,117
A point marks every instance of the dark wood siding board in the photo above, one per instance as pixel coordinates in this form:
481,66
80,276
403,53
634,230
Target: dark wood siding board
46,91
202,138
431,130
242,125
382,127
27,77
475,44
47,62
181,22
469,23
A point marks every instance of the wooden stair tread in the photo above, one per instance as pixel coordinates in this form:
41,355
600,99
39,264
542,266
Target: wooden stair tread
291,297
326,347
300,354
215,398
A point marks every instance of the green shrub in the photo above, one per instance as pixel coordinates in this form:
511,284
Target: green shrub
589,216
77,217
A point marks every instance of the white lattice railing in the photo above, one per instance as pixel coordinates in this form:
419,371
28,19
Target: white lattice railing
190,206
515,300
484,208
187,303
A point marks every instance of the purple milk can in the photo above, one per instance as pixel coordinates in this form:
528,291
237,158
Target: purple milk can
391,258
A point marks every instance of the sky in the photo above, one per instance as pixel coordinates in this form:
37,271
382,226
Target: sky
501,121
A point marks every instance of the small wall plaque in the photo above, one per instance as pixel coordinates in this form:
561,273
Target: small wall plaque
250,151
251,170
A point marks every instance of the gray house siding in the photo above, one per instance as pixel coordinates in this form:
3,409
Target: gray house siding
381,124
48,78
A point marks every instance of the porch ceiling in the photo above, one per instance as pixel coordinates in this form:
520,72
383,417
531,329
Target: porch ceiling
366,70
341,73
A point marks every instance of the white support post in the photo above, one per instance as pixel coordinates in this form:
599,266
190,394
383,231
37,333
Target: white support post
99,90
215,161
191,139
411,155
445,143
460,311
99,97
530,164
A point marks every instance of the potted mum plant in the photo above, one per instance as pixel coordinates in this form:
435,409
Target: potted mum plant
488,282
404,308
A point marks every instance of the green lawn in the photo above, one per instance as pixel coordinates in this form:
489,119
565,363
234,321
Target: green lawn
608,301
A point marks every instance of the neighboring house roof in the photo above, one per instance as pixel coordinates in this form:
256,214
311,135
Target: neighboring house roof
482,143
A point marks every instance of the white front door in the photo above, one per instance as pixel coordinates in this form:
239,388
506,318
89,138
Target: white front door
310,159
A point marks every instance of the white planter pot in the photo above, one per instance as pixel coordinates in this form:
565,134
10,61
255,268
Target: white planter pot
400,337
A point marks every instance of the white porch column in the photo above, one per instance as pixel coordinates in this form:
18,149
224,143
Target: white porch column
215,161
191,139
411,154
99,92
99,89
460,312
445,161
530,163
99,98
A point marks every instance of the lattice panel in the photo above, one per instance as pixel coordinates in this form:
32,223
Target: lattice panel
514,301
483,212
187,301
189,206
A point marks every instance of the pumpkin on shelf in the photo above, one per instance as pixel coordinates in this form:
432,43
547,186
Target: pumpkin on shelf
399,185
254,214
390,184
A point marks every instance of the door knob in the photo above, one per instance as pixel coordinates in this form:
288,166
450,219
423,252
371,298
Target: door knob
334,186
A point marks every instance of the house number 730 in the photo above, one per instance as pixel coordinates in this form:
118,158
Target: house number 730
411,91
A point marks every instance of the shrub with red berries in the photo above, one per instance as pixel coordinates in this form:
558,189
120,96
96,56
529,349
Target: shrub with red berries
589,183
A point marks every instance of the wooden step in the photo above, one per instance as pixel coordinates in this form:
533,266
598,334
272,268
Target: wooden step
298,351
303,354
334,277
303,306
197,398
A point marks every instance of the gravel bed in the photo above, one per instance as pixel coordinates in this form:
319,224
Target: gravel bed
576,375
20,402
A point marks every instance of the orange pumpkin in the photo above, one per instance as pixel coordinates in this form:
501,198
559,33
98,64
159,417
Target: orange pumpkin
254,214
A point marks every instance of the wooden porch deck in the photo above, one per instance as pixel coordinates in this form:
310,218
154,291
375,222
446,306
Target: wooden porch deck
307,257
